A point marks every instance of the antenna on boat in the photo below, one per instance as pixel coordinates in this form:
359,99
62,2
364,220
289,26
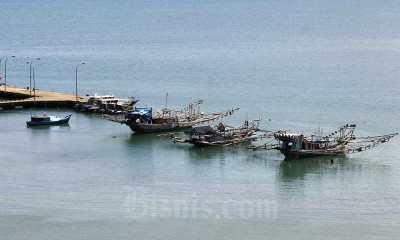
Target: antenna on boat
166,104
190,106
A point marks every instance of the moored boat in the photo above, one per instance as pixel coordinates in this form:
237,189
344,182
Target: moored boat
221,135
340,142
144,120
47,120
106,104
141,120
300,146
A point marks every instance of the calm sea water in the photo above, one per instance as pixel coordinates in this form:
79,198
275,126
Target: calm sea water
298,65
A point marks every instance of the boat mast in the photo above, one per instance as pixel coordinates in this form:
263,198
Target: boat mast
34,91
166,101
166,104
190,107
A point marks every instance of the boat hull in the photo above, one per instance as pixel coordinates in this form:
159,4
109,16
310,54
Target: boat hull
229,142
307,154
155,128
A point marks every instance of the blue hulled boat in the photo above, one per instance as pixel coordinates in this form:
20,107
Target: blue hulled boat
47,120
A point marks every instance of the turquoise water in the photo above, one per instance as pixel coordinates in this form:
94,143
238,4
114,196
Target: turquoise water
298,65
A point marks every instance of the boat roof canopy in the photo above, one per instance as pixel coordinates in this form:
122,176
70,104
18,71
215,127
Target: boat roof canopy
140,111
203,130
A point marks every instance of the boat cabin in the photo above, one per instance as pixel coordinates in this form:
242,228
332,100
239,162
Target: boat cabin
44,118
205,133
203,130
297,142
106,99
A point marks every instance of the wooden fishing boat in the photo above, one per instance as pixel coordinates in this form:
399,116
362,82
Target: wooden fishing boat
340,142
144,120
221,135
47,120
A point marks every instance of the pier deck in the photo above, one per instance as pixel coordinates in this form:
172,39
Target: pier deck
21,98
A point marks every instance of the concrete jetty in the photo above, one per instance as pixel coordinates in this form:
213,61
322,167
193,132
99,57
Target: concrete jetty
24,98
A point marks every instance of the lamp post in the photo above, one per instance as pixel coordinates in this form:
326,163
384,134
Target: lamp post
34,87
5,74
30,75
1,77
76,81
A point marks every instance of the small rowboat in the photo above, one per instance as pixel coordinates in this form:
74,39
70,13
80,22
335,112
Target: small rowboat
47,120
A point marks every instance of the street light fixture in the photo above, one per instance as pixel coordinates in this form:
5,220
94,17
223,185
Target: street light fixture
5,74
30,75
76,81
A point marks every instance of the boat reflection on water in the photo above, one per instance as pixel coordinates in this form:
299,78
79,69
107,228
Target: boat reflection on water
61,127
142,141
194,154
292,170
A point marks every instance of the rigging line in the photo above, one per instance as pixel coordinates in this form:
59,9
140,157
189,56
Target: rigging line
270,141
